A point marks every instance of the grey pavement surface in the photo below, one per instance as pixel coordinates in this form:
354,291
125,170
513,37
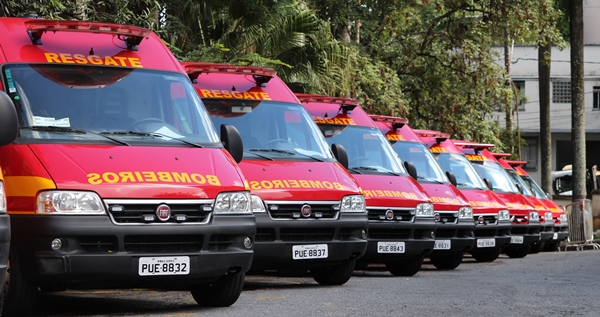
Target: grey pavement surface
544,284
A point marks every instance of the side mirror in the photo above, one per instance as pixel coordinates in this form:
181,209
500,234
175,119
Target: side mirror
411,169
232,141
340,154
9,122
451,178
520,188
488,183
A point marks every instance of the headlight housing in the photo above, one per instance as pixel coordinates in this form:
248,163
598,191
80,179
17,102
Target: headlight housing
233,203
59,202
2,198
548,217
503,215
465,213
424,210
353,203
563,218
257,204
533,215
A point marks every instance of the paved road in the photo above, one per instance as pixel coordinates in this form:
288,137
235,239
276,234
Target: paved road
545,284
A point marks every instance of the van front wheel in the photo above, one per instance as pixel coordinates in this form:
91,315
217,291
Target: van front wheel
334,275
19,294
221,293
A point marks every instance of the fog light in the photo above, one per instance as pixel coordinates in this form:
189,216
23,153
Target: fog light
432,235
56,244
247,243
480,219
363,234
437,217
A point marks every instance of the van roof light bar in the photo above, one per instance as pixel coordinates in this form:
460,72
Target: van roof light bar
260,75
501,155
347,104
131,35
476,146
396,122
515,163
439,136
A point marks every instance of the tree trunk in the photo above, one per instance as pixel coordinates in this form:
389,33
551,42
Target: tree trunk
544,57
577,100
509,108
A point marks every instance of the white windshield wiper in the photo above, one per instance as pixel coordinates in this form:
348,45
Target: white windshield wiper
151,134
73,130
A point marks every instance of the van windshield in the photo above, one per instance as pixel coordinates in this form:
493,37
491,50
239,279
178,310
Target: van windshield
428,169
534,187
271,130
497,175
95,103
463,170
517,180
369,152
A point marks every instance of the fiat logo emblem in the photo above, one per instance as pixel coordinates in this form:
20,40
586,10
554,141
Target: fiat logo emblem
163,212
306,210
389,214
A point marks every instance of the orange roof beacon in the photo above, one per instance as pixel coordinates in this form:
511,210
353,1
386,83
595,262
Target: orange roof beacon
455,225
492,219
559,216
310,212
525,230
103,183
401,216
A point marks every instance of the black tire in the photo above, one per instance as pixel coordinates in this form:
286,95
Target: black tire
222,293
334,275
536,248
19,294
50,288
361,266
408,267
486,256
518,253
550,247
447,262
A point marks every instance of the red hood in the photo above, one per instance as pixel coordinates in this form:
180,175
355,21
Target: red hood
391,191
445,197
483,201
293,180
517,204
140,172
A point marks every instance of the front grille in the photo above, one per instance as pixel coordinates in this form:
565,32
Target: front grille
133,212
219,242
561,229
164,244
386,233
491,219
98,244
548,228
399,214
448,216
524,230
307,234
292,211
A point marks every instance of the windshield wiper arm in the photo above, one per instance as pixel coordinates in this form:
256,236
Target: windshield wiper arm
152,134
73,130
381,170
430,180
286,152
251,151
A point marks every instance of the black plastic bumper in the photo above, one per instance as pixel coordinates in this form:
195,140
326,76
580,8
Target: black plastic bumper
561,232
98,253
499,231
530,233
546,232
417,237
460,235
276,238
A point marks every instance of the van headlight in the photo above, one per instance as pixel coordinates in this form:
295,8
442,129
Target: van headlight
503,215
465,213
233,203
548,218
56,202
563,218
424,210
353,203
533,215
257,204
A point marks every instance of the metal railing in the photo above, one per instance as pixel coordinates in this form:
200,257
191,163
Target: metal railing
581,229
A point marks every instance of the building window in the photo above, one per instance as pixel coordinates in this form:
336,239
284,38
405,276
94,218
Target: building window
520,86
596,92
561,91
530,153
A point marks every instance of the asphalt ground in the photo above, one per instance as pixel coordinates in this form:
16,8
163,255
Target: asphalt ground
544,284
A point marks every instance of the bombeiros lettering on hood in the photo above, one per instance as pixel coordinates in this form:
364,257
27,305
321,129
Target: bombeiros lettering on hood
65,58
389,193
294,183
486,204
152,177
517,206
446,200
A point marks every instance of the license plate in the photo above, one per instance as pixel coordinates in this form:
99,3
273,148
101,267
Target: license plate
486,243
176,265
555,236
310,251
390,247
516,239
441,245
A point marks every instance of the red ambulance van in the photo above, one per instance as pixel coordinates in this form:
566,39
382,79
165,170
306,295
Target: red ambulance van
492,219
310,212
525,230
559,216
401,223
454,234
117,178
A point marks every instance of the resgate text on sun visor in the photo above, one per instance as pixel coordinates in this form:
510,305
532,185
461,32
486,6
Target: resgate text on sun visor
228,94
64,58
476,158
334,120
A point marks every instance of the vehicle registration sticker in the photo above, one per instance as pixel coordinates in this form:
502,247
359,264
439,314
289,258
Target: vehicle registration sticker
441,245
516,239
555,236
309,251
390,247
175,265
486,243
